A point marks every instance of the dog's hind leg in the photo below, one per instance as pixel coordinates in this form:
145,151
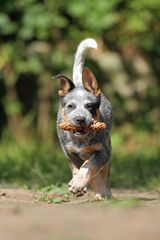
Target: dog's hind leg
100,184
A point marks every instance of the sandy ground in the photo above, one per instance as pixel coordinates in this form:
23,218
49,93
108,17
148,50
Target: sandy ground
24,216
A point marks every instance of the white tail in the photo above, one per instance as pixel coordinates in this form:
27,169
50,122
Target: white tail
79,59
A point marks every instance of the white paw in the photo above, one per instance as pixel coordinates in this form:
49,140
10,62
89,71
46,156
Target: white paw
79,182
98,197
106,194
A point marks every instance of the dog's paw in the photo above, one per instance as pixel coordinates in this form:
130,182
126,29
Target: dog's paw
83,192
106,194
78,182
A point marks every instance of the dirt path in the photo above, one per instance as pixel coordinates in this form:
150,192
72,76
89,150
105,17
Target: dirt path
132,215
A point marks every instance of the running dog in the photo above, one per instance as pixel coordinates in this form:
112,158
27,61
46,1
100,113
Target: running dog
81,102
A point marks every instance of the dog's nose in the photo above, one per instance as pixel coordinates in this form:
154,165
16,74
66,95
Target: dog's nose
80,120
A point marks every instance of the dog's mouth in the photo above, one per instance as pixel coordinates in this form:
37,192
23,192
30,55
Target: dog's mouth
80,132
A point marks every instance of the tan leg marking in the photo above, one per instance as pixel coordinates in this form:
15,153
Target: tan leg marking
100,184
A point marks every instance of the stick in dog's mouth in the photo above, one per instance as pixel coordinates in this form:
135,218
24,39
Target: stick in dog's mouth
95,126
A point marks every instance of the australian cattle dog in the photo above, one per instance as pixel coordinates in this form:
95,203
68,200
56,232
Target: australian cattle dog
89,153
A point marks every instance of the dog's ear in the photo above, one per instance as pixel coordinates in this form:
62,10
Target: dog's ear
66,85
89,82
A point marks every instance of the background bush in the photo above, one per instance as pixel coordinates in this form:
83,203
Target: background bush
38,39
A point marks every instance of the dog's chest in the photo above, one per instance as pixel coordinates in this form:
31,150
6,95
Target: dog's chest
83,151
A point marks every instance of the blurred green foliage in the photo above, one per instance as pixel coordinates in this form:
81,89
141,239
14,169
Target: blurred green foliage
31,163
38,39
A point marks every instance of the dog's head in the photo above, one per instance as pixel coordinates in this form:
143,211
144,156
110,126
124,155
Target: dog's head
80,104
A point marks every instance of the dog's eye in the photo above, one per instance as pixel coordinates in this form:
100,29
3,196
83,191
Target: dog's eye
89,106
70,106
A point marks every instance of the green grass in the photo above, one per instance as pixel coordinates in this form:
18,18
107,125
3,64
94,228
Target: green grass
59,194
31,163
55,194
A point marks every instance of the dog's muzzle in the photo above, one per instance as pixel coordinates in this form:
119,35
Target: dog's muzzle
80,121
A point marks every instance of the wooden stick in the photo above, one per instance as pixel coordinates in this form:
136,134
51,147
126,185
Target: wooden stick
95,126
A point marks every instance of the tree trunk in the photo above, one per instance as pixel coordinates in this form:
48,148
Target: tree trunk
12,104
44,123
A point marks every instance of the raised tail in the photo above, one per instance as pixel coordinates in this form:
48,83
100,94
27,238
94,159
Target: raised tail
79,59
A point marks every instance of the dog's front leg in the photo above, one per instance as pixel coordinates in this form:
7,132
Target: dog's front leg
75,166
86,172
79,181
